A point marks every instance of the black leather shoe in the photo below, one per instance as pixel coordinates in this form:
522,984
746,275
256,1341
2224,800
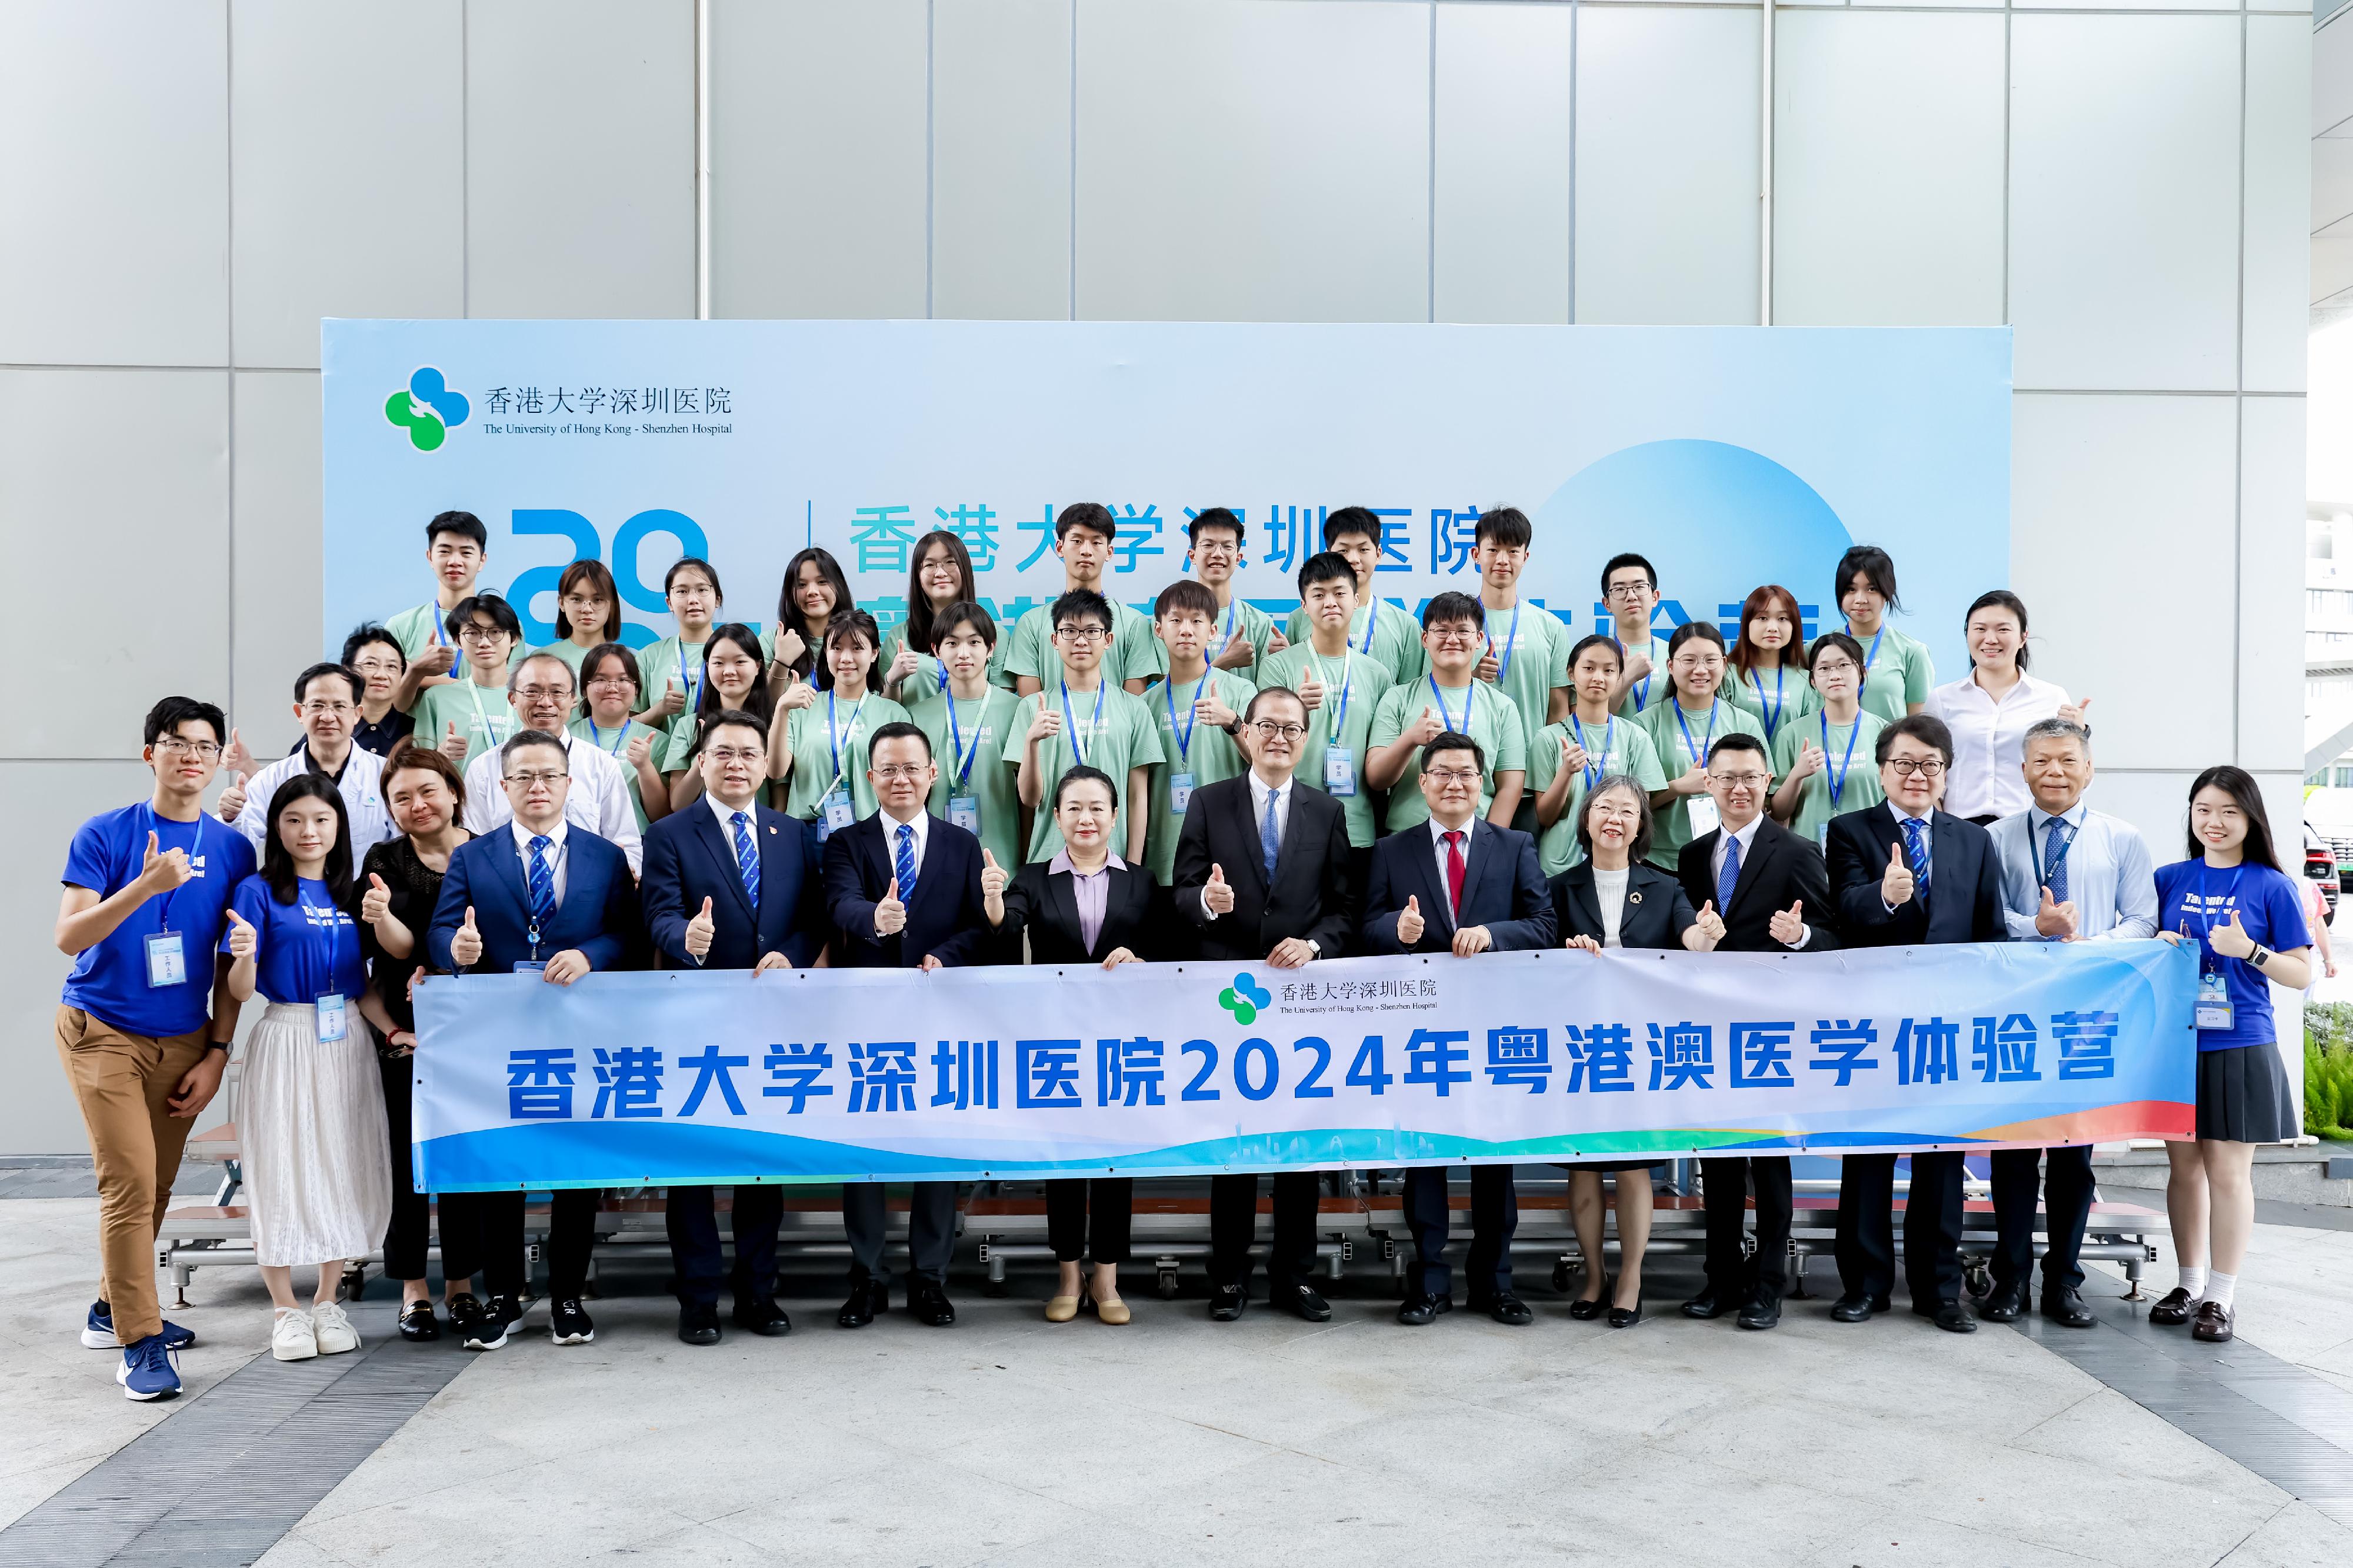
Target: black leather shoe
1305,1303
1419,1310
1225,1302
2174,1309
1950,1315
2006,1305
1856,1309
698,1325
1708,1304
2066,1309
867,1296
417,1323
1761,1312
928,1304
762,1316
1626,1316
1507,1310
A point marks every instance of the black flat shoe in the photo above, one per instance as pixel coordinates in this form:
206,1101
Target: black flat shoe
1305,1303
1949,1316
698,1325
1419,1311
1225,1302
1627,1317
1857,1308
1760,1313
928,1304
2066,1309
763,1317
2173,1310
1707,1304
1585,1311
417,1323
2006,1305
867,1296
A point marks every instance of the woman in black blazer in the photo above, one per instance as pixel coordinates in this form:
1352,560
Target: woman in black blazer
1084,906
1612,898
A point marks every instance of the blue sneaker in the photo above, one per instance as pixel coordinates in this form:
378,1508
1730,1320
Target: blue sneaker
97,1331
147,1372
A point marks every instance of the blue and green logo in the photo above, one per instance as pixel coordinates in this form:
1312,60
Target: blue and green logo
427,409
1243,998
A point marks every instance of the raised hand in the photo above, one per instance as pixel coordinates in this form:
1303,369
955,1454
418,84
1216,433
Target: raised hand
802,695
1710,923
699,933
163,869
1310,689
2073,711
2055,919
789,646
465,947
1237,653
376,902
1896,885
1572,756
1217,897
231,804
1045,723
237,760
1489,666
453,746
1691,781
669,704
1275,641
1425,729
438,659
2231,940
641,749
907,662
1810,761
992,876
1788,926
1409,926
891,914
242,938
1208,709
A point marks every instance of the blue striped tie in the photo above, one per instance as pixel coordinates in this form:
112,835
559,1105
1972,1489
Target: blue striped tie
1915,849
904,867
2054,859
747,859
543,882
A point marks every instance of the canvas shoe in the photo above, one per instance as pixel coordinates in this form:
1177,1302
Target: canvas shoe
332,1330
292,1337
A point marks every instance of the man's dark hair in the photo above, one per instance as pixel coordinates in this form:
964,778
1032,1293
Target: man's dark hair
1076,605
522,739
349,677
1325,566
1249,709
1093,516
501,615
1214,517
1351,519
1507,526
897,730
1623,560
1454,741
459,523
1736,742
1452,607
738,719
1924,728
1185,593
166,717
368,634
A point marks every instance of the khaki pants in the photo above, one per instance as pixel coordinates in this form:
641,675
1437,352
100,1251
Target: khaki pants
123,1082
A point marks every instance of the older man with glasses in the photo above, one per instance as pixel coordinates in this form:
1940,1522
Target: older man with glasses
327,701
542,691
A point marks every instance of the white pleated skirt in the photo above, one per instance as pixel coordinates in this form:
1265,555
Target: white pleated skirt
318,1171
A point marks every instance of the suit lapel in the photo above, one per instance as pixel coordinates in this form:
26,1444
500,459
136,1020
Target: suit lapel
1580,887
509,864
714,841
1761,851
1479,854
1063,897
1255,850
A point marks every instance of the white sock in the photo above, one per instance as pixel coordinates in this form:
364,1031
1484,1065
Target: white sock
2220,1287
2193,1279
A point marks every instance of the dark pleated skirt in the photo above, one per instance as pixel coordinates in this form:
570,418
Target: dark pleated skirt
1615,1165
2242,1096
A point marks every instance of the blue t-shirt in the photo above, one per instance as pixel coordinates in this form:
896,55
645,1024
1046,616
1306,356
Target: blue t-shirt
307,950
2190,894
110,981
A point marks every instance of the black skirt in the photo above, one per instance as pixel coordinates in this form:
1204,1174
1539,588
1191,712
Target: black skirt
2242,1096
1615,1165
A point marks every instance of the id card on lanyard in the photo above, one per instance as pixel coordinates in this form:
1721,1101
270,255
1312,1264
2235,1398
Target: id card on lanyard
167,959
1836,780
838,812
963,806
1704,818
1339,762
2213,1009
1180,778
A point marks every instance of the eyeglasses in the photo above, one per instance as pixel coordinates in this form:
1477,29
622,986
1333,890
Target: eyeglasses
1626,590
725,755
1275,731
1742,781
378,666
1926,767
1834,666
900,771
611,680
484,635
320,710
531,776
1082,633
1451,775
1448,636
545,693
173,746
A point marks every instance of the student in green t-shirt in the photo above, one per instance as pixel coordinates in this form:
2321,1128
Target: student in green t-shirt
731,680
827,732
1527,646
1381,632
968,725
941,577
456,546
1814,756
1567,761
1897,673
1083,535
1630,587
1449,699
673,667
1766,677
1084,717
588,613
1246,633
1342,689
1197,709
1683,728
814,591
459,717
608,683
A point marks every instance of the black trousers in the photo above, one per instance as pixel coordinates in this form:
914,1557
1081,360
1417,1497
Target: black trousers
408,1237
1932,1227
2067,1203
571,1240
1110,1200
931,1229
1494,1216
1233,1221
691,1216
1727,1185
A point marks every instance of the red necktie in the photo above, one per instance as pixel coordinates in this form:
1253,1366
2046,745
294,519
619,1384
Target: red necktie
1454,869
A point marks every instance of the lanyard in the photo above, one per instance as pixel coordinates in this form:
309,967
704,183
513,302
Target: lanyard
1642,691
1837,779
196,860
597,736
433,622
1772,719
1872,657
1593,766
833,736
1230,610
474,691
692,678
957,752
2206,901
1192,714
1347,662
1470,693
1698,753
555,852
2042,875
1511,645
943,678
1071,730
328,938
1372,613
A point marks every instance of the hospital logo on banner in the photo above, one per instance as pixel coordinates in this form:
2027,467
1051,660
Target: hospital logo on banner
427,409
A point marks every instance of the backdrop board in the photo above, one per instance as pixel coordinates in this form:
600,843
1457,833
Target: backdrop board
1730,456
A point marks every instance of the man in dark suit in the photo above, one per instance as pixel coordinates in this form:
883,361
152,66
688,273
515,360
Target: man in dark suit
1762,879
1906,872
732,885
535,894
1459,885
1261,871
902,891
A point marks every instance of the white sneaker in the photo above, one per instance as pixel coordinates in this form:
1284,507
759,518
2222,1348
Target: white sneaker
334,1331
292,1337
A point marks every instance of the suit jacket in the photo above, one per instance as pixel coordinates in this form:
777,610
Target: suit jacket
1044,904
1502,889
598,914
690,858
945,919
1963,881
1779,869
1310,898
1656,913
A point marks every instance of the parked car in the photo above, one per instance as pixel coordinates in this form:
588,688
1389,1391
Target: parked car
2320,865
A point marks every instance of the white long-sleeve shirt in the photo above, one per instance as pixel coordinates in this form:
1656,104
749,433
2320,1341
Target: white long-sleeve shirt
2111,880
1989,777
597,801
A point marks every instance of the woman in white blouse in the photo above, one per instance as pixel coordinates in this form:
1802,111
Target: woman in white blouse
1990,710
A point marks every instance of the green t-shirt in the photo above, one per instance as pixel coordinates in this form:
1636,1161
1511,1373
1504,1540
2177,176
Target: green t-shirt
925,683
1620,746
656,664
481,713
1856,772
1123,737
1531,648
828,730
1493,723
1256,627
614,743
1786,696
1365,679
1898,674
570,652
1395,642
1135,654
982,727
420,627
1652,688
1211,755
1667,723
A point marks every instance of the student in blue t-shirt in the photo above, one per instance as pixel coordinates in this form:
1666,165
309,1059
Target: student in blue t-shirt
144,1025
2245,917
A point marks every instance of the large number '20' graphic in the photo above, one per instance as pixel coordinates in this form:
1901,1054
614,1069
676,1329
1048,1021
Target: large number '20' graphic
587,545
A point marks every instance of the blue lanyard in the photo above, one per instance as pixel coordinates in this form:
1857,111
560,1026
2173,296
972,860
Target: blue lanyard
1470,695
433,622
1698,753
1229,620
944,678
1340,719
1511,645
1641,692
833,736
1372,613
2041,875
957,750
2206,903
1192,715
1593,769
1872,657
1837,779
1772,719
1070,730
597,736
196,855
691,679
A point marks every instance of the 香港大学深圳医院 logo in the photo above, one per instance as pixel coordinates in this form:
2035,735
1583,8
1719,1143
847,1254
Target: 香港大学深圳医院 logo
426,408
1243,998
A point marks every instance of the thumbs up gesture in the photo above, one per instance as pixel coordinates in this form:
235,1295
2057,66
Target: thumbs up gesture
242,938
1217,897
2231,940
889,915
238,759
238,763
453,746
2055,919
1710,923
699,933
1788,926
2075,713
1896,885
1409,925
465,947
163,869
1311,689
376,902
992,876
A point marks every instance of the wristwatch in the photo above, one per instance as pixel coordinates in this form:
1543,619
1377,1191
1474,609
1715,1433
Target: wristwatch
1314,947
2257,957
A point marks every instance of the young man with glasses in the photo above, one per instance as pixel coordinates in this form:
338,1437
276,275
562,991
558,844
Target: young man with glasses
464,717
1083,717
1630,589
144,1025
326,700
1197,709
374,654
1903,873
1449,699
1084,536
1342,689
539,696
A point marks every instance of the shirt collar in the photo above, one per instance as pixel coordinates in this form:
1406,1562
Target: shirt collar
1061,864
523,834
1897,811
1260,789
1747,835
2039,820
312,764
921,822
726,814
1439,831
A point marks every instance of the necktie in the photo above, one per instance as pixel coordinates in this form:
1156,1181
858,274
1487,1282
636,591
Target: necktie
542,882
1728,878
1270,836
903,868
747,859
1915,849
1453,871
2054,863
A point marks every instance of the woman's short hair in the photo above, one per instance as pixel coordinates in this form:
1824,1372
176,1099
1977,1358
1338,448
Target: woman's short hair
1629,784
408,757
1085,774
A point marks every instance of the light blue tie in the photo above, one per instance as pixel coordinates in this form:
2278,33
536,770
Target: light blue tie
542,882
904,867
2054,862
1270,836
747,859
1728,878
1915,849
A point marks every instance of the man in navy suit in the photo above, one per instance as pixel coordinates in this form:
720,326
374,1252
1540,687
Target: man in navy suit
1906,872
732,885
536,894
902,891
1464,885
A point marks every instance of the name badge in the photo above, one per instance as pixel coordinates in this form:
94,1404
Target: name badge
168,963
1180,792
963,811
530,965
333,1024
1704,818
838,813
1339,771
2213,1011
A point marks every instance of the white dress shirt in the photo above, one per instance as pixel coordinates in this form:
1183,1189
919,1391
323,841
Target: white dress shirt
1261,791
2111,880
1748,837
921,822
557,859
726,816
598,800
362,787
1989,777
1438,832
